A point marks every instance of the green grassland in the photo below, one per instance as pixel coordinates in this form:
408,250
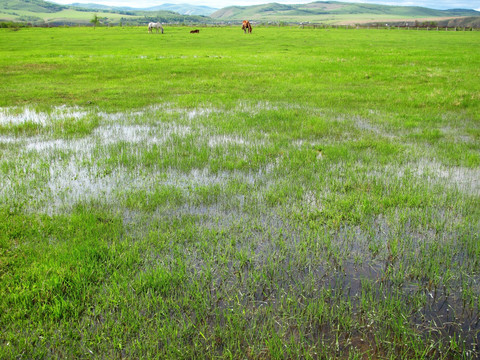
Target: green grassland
293,193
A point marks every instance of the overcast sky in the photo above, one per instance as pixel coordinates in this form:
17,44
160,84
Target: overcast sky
434,4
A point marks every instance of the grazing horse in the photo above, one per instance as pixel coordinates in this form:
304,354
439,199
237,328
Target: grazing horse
246,26
196,31
154,25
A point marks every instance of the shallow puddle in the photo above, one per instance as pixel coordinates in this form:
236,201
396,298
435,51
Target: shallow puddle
16,116
289,254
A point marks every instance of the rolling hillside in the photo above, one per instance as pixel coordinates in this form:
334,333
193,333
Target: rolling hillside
39,12
184,9
31,6
333,12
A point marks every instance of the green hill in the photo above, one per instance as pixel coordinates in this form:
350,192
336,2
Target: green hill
184,9
39,12
38,6
333,11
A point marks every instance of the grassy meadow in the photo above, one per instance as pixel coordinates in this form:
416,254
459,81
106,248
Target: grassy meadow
293,193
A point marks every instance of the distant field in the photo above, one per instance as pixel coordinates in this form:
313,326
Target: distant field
342,13
71,16
59,16
342,19
293,193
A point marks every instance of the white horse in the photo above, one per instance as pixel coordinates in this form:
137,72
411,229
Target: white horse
154,25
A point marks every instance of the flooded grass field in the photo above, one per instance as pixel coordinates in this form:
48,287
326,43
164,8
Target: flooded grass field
290,194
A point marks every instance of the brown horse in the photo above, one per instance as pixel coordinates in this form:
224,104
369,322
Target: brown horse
196,31
246,26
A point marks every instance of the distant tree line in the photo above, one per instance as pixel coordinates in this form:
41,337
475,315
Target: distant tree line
467,22
121,12
12,25
169,17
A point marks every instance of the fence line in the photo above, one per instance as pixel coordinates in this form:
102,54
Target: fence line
393,27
